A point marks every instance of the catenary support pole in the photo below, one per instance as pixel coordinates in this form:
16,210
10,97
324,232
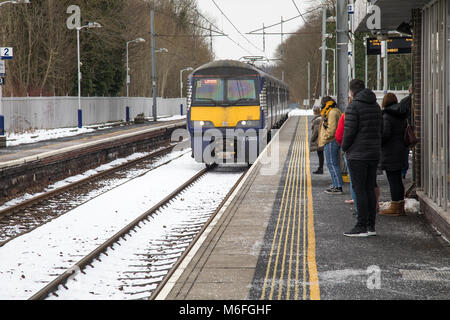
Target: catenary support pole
385,67
324,49
152,23
342,53
80,112
309,84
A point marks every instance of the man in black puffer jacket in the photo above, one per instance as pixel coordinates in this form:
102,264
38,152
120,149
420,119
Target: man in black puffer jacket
362,147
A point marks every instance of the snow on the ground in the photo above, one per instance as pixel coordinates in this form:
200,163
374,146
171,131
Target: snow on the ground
179,117
121,274
301,112
81,176
15,139
411,205
30,261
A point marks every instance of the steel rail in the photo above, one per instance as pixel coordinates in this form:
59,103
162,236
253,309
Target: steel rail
62,279
166,278
47,195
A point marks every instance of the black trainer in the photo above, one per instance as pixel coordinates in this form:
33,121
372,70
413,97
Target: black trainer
318,171
357,232
334,190
371,231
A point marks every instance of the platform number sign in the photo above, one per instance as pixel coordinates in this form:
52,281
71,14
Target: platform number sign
6,53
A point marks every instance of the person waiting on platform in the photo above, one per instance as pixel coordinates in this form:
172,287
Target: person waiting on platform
394,153
339,136
316,122
330,119
362,147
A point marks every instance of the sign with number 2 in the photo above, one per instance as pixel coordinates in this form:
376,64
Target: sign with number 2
6,53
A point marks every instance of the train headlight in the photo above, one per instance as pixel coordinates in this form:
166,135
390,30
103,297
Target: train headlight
202,124
249,124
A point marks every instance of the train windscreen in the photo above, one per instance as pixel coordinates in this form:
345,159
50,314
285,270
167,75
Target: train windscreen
225,91
241,90
209,90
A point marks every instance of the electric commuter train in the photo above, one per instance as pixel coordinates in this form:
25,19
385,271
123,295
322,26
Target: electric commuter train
231,107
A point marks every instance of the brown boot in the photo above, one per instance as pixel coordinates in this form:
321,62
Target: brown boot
396,208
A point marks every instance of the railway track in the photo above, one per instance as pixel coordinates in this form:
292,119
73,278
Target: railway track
27,215
145,251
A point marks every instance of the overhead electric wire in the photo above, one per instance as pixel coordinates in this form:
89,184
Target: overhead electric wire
236,43
221,11
298,10
284,21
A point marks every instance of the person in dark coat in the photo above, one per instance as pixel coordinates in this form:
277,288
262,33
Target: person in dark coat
316,123
362,147
394,153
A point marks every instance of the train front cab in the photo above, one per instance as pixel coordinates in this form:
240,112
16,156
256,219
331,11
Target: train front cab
225,118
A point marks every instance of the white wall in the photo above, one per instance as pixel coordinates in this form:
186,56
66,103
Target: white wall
61,112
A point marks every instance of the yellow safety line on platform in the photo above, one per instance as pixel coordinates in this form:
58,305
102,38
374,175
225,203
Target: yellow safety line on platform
263,294
297,186
294,187
299,225
305,290
312,264
291,253
290,179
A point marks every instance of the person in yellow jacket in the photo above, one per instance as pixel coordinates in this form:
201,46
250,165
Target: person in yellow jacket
330,119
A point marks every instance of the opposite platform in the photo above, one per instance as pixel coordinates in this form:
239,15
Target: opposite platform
13,156
30,168
279,236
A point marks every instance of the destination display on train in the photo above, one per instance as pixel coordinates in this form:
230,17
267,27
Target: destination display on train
396,45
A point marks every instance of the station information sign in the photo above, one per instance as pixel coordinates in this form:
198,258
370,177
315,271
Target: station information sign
396,45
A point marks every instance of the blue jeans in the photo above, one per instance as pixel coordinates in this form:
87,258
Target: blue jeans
351,185
331,151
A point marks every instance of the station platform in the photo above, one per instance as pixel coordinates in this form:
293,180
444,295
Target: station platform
280,237
31,167
12,156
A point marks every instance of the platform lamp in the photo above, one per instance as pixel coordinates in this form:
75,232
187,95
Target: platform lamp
181,85
90,25
127,112
2,118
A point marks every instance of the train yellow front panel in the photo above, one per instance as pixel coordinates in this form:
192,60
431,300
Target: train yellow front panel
225,116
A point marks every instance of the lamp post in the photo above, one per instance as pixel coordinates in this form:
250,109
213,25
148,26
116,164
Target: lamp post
138,40
2,118
127,112
90,25
334,69
181,80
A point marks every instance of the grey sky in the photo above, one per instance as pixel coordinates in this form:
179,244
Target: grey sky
247,16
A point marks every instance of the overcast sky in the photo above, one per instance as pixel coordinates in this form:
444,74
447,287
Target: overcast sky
247,16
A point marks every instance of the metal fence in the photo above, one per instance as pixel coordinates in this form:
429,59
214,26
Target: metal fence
27,113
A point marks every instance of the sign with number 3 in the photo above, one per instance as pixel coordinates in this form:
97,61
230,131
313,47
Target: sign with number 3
6,53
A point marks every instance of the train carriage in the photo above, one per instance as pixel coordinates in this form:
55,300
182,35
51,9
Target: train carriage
232,107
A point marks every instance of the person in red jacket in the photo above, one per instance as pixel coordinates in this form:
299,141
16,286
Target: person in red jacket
340,130
339,137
